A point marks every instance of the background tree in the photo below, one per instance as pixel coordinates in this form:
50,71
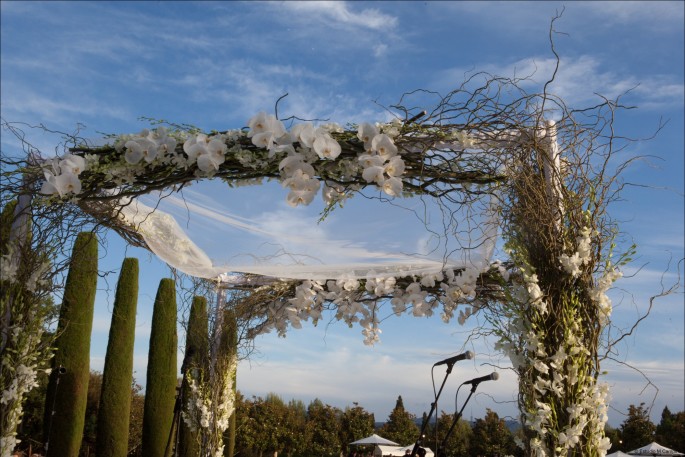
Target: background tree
400,426
68,392
322,430
355,423
115,398
244,431
671,430
265,425
458,442
295,437
637,430
160,392
491,436
88,443
135,423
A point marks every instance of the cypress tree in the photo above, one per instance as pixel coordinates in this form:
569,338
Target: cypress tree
68,385
160,392
196,362
400,426
115,397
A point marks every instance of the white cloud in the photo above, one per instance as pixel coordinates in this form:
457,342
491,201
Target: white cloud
657,15
30,105
380,49
579,80
530,18
338,13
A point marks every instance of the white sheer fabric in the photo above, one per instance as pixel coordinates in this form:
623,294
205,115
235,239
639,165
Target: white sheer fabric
211,229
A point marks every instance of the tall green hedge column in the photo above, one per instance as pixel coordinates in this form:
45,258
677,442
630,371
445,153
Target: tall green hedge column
115,398
160,391
67,391
195,362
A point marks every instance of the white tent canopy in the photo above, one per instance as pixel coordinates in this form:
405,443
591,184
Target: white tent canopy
654,449
374,439
618,454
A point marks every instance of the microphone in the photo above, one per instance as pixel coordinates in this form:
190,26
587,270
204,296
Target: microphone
456,358
494,376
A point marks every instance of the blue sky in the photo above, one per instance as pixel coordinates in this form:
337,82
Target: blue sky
216,64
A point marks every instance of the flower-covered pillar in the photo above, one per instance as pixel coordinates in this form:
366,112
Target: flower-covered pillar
24,281
556,307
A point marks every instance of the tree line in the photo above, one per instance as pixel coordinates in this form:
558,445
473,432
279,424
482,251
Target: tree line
268,425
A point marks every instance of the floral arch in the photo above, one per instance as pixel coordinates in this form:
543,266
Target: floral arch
488,153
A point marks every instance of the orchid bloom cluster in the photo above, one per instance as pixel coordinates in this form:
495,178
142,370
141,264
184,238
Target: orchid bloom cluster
209,407
558,378
558,382
381,163
565,407
297,152
23,357
61,176
572,265
356,300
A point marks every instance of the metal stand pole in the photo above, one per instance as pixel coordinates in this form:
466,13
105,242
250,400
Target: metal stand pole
450,365
441,449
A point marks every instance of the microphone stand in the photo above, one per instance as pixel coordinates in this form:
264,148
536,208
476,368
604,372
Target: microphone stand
433,406
441,449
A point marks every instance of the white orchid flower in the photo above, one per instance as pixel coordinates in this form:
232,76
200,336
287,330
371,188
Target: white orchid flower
139,149
213,156
267,128
393,186
68,183
366,133
209,162
165,143
395,166
300,197
304,133
292,163
326,147
258,124
370,160
332,192
73,164
384,146
61,184
48,187
195,149
374,174
264,140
